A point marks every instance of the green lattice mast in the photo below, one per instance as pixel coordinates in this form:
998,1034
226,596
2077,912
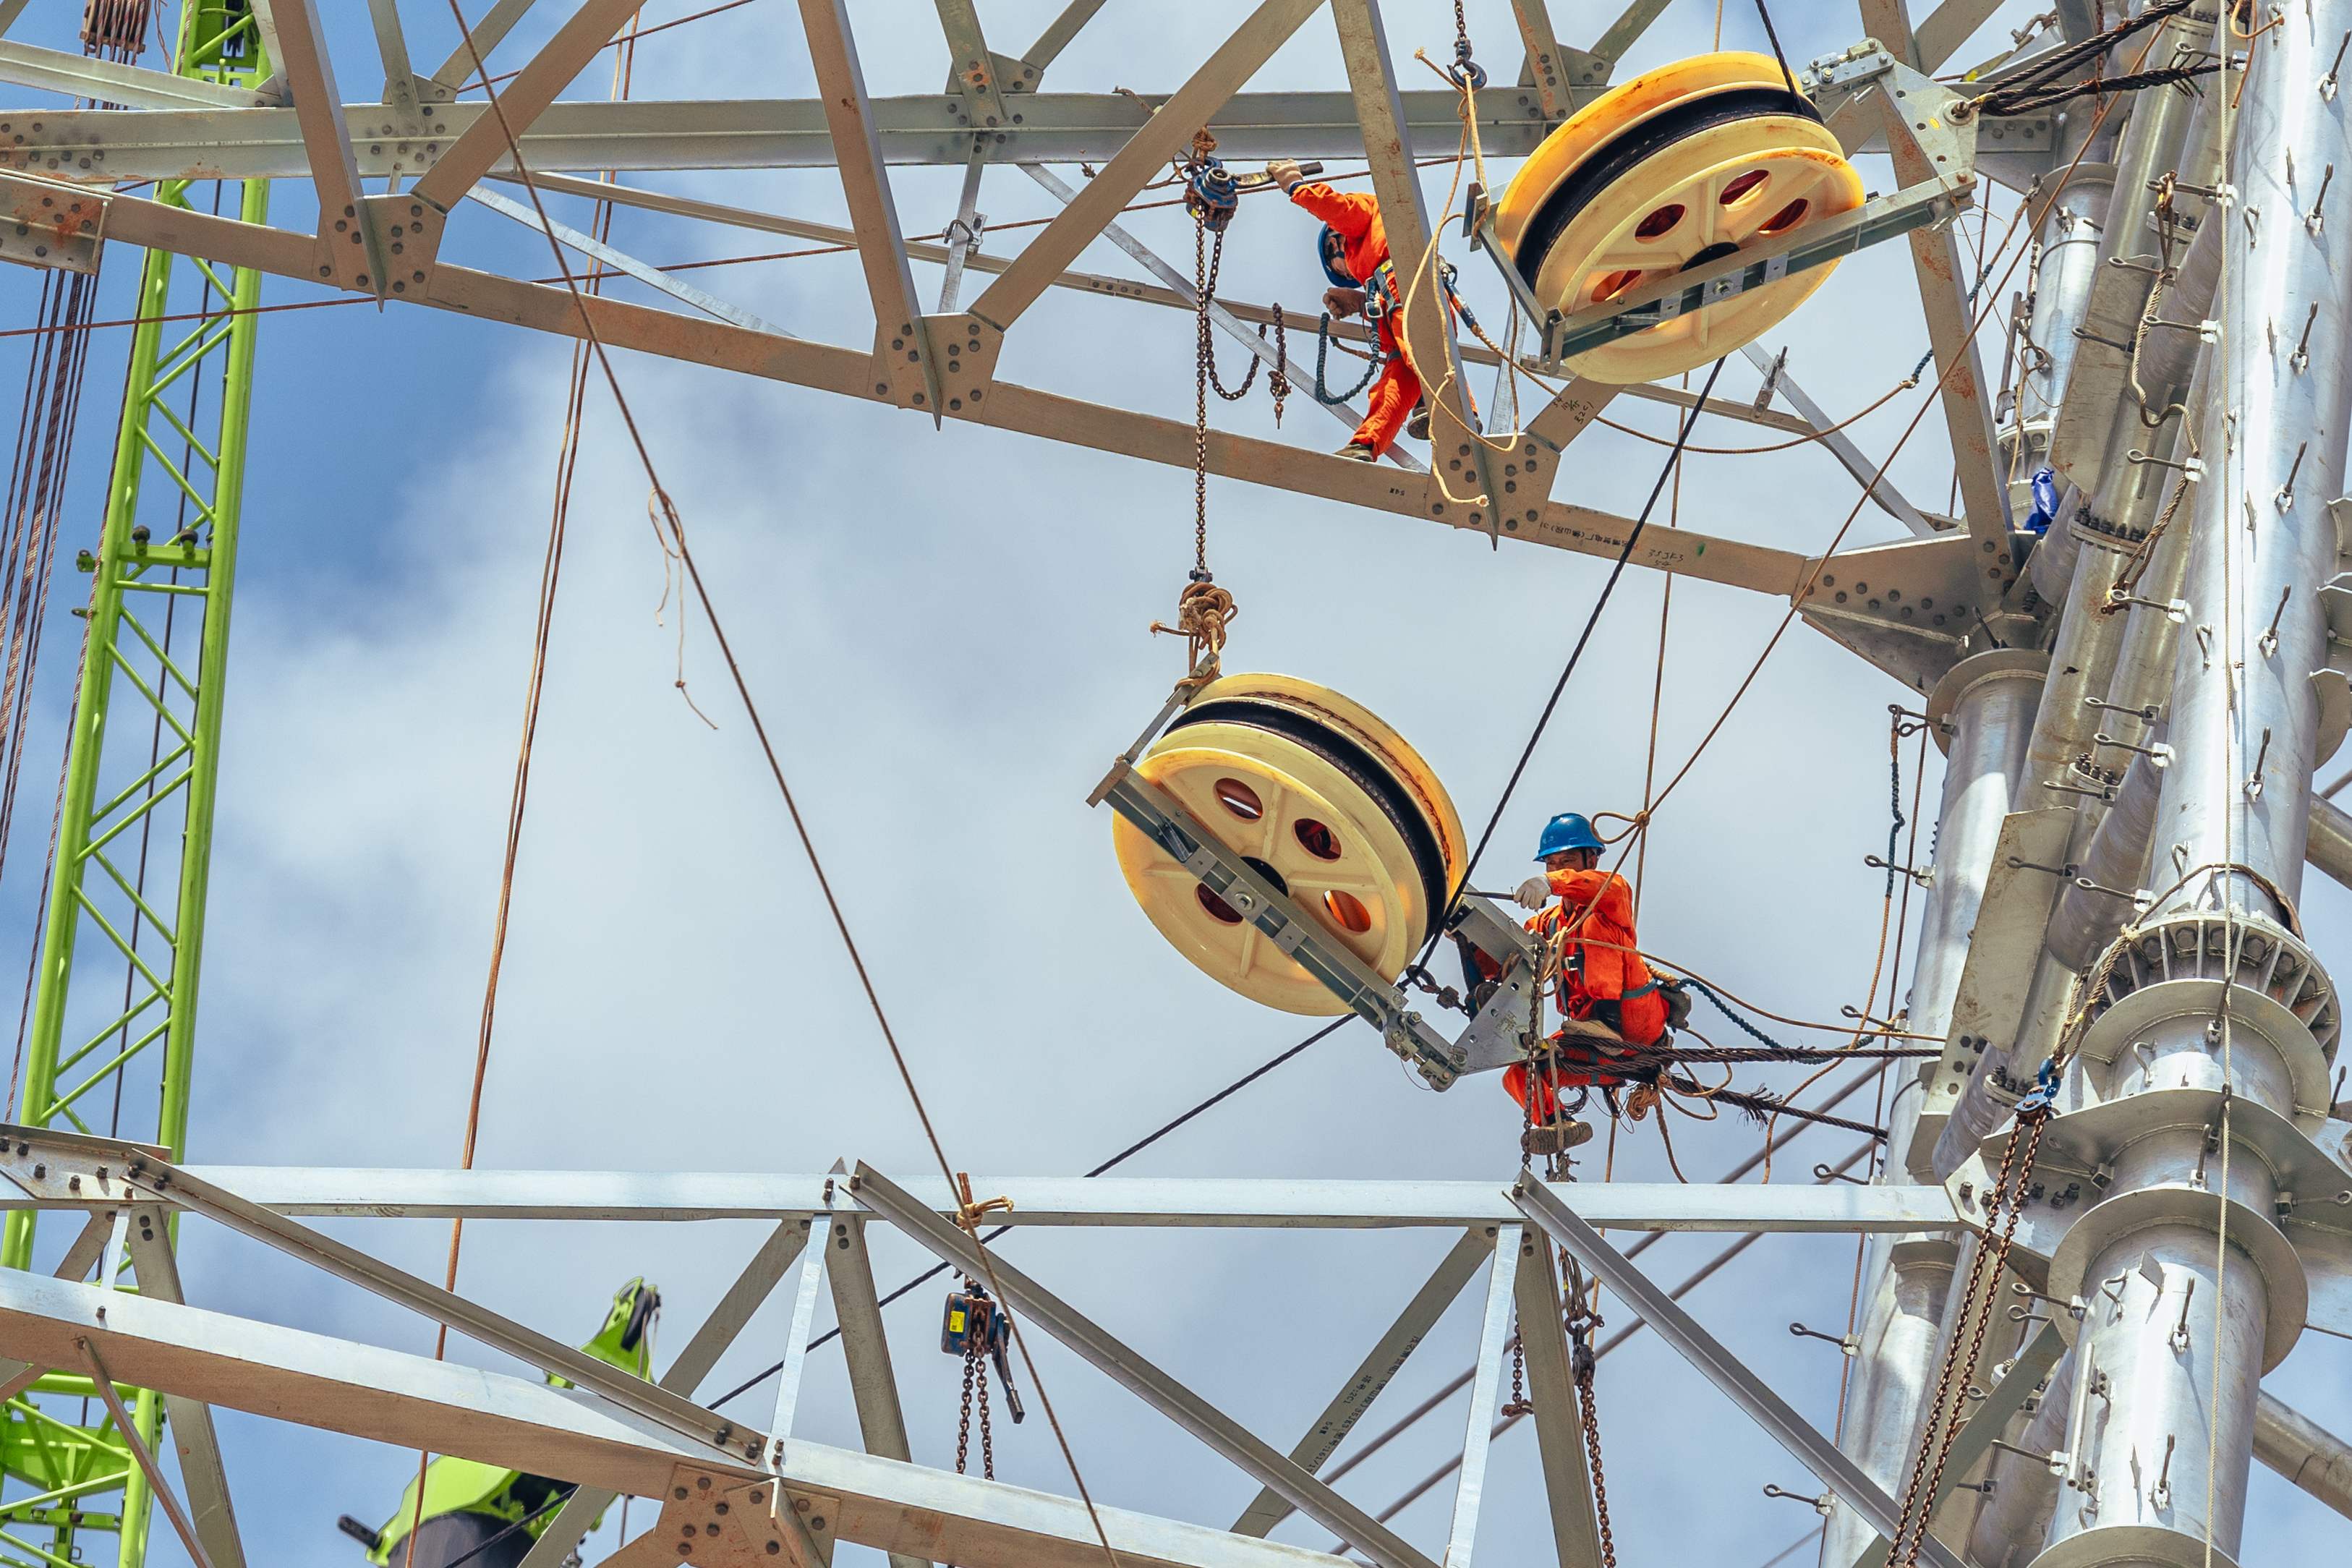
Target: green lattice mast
112,1039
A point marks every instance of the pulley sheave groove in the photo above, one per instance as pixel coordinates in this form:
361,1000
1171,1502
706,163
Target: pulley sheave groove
1674,169
1324,798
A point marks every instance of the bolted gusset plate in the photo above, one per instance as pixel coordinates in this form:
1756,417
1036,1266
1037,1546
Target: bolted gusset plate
707,1523
49,222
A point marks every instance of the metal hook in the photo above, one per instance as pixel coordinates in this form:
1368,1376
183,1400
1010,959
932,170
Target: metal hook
2268,642
1850,1344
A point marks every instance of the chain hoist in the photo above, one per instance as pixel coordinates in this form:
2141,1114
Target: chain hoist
978,1329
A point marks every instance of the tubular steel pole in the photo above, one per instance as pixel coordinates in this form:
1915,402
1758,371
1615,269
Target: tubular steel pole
1982,716
2192,1292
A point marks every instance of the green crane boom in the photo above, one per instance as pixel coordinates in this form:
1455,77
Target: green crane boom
126,907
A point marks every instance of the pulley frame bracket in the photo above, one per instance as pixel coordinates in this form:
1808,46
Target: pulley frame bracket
1941,123
1161,817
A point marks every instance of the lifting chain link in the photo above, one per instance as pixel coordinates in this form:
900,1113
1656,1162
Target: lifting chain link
975,1370
1584,1360
1520,1404
1912,1520
1465,71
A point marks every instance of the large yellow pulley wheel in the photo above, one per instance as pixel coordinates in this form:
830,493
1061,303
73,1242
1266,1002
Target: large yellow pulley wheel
1674,169
1324,800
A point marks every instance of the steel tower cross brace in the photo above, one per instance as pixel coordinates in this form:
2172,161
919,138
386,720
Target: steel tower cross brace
135,827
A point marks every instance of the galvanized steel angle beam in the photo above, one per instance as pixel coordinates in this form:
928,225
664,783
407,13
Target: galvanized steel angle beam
348,254
908,364
1372,1376
1167,132
1560,1421
78,1170
109,81
1222,319
482,145
1927,145
1871,477
1485,1393
717,1332
1984,1424
1145,1202
597,251
1040,1309
51,224
412,1401
481,39
146,1233
758,133
973,70
1719,1365
1427,330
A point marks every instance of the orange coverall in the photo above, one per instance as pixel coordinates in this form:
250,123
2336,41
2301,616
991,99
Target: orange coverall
1356,219
1591,974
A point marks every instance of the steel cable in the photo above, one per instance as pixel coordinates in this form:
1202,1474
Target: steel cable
1133,1148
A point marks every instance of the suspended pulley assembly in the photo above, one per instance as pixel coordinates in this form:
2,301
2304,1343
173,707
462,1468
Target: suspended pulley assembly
1677,168
1324,800
1294,847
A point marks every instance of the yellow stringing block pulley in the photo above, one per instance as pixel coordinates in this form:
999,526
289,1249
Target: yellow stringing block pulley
1674,169
1322,798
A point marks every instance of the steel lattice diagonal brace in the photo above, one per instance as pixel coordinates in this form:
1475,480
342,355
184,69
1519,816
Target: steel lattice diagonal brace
751,1288
1457,447
1719,1365
522,1423
1156,1388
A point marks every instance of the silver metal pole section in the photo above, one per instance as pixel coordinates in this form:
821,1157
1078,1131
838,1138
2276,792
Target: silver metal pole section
2329,848
1041,1309
2152,143
1486,1388
1981,713
1719,1365
2180,1326
2071,247
2304,1452
2021,1492
2073,767
2243,714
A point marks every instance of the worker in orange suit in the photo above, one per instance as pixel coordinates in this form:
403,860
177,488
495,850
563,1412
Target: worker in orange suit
1602,980
1355,251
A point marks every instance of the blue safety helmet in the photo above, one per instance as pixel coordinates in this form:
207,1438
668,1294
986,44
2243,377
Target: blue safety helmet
1333,251
1567,831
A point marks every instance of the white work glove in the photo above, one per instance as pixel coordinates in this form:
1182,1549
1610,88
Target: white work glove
1534,893
1285,173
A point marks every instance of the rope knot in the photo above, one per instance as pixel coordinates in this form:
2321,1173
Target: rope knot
969,1214
1202,613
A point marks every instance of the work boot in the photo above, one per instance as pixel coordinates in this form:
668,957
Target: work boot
1417,424
1556,1138
1358,452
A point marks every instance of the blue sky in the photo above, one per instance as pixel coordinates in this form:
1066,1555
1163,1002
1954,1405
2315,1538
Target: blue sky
946,634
